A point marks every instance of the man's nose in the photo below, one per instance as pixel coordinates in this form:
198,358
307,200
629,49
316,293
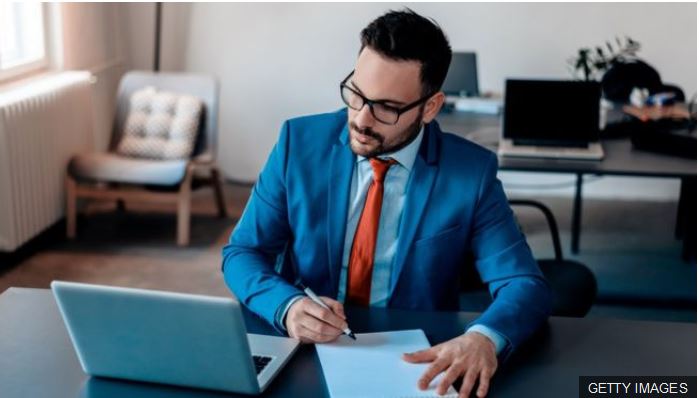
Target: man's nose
364,117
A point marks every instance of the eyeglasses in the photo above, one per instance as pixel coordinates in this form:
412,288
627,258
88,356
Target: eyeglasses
383,113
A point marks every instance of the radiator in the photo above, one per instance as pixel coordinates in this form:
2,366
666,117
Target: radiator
42,124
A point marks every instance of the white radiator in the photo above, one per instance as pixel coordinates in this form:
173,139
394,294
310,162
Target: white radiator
42,124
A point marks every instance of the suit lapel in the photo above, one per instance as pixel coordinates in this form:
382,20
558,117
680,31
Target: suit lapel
342,161
420,186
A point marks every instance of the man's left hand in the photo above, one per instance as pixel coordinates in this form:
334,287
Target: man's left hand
471,355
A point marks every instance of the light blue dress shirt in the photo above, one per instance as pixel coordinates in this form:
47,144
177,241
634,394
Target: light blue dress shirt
395,184
395,188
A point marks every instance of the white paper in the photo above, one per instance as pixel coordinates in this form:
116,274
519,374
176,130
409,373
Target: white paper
372,366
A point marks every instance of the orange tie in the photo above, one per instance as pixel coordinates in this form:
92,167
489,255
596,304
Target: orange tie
361,261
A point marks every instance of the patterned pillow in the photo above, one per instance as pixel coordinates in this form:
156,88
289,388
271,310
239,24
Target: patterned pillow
160,125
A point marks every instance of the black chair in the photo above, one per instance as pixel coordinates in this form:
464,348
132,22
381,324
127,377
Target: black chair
574,286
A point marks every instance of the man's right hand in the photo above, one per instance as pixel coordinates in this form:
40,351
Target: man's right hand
311,323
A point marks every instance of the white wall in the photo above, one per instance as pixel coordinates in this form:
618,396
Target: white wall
138,34
107,39
276,61
92,40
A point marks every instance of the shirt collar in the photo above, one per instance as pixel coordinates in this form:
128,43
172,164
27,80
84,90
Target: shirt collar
406,155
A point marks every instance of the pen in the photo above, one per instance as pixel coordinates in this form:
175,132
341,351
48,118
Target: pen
320,302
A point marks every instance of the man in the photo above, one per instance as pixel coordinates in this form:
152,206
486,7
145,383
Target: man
374,205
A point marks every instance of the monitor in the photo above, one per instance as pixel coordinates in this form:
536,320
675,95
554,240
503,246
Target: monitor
541,111
462,77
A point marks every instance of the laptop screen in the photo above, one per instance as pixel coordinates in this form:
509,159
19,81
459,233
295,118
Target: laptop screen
462,77
551,112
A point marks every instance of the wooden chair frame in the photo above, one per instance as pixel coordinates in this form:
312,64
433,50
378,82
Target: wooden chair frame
182,197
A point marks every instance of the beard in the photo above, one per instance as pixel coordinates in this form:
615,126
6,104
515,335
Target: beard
403,139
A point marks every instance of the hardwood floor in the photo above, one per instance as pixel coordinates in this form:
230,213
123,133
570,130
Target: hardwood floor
629,245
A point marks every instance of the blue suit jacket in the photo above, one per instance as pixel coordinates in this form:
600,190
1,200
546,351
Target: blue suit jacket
294,225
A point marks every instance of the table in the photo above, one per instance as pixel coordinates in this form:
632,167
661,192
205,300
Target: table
37,357
621,159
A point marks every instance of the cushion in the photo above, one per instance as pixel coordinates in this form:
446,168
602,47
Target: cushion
160,125
110,167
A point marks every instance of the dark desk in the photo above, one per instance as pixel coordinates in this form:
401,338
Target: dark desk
37,358
621,159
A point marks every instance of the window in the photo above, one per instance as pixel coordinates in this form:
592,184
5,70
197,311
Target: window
22,38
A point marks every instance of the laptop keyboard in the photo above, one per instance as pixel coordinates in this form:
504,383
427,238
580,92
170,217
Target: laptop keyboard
552,149
594,151
260,362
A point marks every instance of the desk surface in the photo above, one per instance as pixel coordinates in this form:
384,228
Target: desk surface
621,158
37,358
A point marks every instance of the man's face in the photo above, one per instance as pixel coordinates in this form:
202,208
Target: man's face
397,83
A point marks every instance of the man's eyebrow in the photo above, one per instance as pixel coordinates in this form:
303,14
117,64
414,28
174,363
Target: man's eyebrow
383,100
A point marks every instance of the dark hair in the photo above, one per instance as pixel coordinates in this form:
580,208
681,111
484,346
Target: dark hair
408,36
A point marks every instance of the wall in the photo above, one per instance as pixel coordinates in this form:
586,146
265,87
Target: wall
276,61
138,34
92,40
107,39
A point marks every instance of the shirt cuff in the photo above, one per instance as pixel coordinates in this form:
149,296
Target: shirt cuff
494,336
281,315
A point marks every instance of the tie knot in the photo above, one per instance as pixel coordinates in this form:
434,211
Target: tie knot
381,167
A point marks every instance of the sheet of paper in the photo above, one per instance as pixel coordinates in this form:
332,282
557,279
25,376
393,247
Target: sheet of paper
372,366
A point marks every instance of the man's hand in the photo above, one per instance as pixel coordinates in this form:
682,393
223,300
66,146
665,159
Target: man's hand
471,355
311,323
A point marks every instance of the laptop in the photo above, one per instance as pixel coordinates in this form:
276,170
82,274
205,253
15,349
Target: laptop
462,76
551,119
171,338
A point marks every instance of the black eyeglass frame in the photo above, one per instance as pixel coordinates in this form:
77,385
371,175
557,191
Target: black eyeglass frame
367,101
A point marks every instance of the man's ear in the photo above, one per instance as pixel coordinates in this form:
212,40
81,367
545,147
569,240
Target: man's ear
432,107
